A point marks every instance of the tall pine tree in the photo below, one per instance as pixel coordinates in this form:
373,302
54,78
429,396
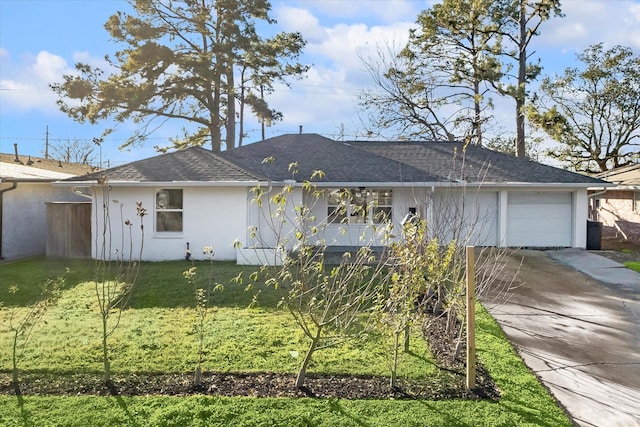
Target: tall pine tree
180,60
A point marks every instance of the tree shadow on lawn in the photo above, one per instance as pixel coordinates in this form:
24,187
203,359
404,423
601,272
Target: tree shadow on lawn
123,405
29,276
24,414
337,407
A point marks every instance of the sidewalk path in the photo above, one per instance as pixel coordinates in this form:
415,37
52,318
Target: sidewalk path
580,335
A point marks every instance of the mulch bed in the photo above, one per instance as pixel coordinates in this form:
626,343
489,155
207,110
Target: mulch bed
269,384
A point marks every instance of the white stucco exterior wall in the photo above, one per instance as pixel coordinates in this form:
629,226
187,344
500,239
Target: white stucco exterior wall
473,216
24,217
212,216
580,215
219,216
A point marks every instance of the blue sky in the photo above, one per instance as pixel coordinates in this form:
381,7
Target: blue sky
40,40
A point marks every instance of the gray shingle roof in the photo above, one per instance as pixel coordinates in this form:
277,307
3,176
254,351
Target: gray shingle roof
399,161
452,160
348,162
191,164
339,161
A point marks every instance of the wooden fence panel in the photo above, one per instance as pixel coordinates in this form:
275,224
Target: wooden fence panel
69,229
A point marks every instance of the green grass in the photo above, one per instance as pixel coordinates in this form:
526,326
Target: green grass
634,265
156,335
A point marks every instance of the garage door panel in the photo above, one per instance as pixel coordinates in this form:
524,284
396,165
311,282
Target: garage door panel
539,219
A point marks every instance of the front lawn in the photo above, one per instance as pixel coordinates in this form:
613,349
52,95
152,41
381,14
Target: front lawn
156,335
634,265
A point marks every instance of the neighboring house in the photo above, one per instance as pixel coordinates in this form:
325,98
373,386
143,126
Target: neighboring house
25,189
198,198
618,207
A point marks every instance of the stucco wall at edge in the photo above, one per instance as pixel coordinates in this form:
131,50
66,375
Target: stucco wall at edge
211,217
25,217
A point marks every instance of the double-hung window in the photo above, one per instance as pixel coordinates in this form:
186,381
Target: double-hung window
169,210
359,206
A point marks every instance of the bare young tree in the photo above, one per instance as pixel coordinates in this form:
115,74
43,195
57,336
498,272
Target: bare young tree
21,326
116,269
336,293
326,293
427,265
203,291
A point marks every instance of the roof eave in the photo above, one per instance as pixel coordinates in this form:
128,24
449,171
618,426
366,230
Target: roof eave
441,184
426,184
28,180
92,183
621,187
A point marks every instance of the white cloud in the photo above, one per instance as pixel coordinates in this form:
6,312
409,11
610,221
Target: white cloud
326,98
589,22
378,11
292,19
48,68
26,85
86,58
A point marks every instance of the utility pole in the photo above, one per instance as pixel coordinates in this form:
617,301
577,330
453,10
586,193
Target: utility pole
46,144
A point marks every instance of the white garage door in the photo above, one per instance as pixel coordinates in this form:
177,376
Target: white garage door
539,219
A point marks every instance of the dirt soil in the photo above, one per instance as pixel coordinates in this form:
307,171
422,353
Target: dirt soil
270,384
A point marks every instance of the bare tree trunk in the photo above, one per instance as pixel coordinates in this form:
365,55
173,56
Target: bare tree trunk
407,331
231,109
198,376
241,113
477,125
14,361
302,373
105,351
394,368
458,348
214,99
522,81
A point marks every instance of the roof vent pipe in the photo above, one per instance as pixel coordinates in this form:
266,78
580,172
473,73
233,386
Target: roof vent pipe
300,129
15,148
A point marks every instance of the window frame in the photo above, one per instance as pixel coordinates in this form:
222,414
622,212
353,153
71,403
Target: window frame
159,210
359,206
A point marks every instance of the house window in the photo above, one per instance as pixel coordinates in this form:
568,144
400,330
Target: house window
168,210
359,206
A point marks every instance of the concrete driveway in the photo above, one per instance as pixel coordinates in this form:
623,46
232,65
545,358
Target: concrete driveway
581,336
